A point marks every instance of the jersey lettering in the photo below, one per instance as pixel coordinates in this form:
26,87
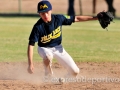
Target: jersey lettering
55,34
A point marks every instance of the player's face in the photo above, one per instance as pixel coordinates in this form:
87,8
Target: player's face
46,16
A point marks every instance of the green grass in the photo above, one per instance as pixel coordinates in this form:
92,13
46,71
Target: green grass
84,41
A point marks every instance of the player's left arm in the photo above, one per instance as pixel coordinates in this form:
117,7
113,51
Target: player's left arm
84,18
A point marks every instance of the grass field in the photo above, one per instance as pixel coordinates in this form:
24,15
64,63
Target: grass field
84,41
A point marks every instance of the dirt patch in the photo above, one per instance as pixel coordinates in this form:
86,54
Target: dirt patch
93,76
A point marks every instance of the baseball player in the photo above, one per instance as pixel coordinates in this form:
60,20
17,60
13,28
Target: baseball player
47,31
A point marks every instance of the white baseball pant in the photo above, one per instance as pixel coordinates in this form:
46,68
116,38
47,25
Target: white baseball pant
61,56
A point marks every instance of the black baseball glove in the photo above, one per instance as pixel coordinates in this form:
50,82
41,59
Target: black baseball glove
105,18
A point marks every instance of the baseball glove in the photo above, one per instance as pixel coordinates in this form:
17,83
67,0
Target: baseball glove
105,18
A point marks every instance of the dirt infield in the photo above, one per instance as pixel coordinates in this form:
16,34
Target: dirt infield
93,76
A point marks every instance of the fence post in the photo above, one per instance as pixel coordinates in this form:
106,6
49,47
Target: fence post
80,6
19,6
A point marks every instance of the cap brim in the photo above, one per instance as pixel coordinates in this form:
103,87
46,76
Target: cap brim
44,10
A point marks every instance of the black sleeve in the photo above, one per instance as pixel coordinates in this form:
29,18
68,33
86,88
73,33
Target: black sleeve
31,43
34,34
67,20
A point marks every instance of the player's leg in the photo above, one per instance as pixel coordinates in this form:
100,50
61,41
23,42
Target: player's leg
66,60
110,6
47,59
71,10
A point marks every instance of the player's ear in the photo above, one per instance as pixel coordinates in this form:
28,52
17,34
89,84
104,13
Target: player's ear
50,11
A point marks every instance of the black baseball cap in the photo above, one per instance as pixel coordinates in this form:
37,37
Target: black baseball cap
44,6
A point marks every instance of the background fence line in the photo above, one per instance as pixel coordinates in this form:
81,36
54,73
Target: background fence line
59,6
